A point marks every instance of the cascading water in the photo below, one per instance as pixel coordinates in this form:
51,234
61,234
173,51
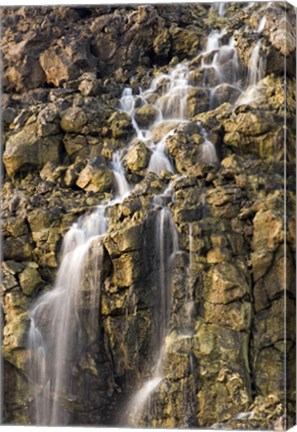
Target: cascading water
159,160
166,247
213,40
121,185
171,107
53,351
170,110
256,66
189,294
261,25
220,7
55,337
207,152
224,66
173,102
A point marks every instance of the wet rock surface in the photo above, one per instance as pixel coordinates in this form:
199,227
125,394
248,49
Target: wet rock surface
222,182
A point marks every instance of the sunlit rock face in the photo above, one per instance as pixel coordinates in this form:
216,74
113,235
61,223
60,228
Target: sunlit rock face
148,215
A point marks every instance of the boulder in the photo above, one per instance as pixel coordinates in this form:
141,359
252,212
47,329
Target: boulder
8,115
73,120
15,226
122,39
224,93
186,41
162,43
236,315
18,249
89,85
137,157
221,360
48,121
22,57
26,149
95,177
145,115
15,331
66,60
30,279
74,143
57,66
49,172
120,125
126,238
128,350
225,283
127,269
72,173
268,232
197,101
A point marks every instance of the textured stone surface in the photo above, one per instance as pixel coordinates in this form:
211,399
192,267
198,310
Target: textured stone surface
64,70
26,149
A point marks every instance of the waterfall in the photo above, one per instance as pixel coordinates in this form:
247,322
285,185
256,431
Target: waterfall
207,151
190,294
173,102
121,185
262,24
159,160
166,247
53,349
213,41
224,66
166,241
256,65
220,7
170,108
55,338
256,69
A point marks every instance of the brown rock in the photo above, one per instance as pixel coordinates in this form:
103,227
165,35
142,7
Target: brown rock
73,120
26,149
224,93
225,283
137,157
95,177
65,61
74,143
30,278
145,115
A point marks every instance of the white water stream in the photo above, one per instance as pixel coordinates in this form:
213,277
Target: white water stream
55,332
256,66
170,109
166,246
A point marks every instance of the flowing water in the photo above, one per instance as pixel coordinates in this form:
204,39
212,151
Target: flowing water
166,247
55,335
256,66
220,62
220,7
121,185
170,108
208,152
190,293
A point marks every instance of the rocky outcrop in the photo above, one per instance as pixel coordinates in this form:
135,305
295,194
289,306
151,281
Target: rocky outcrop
224,354
30,148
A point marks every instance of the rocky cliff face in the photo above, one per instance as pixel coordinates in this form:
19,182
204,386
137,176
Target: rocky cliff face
225,362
